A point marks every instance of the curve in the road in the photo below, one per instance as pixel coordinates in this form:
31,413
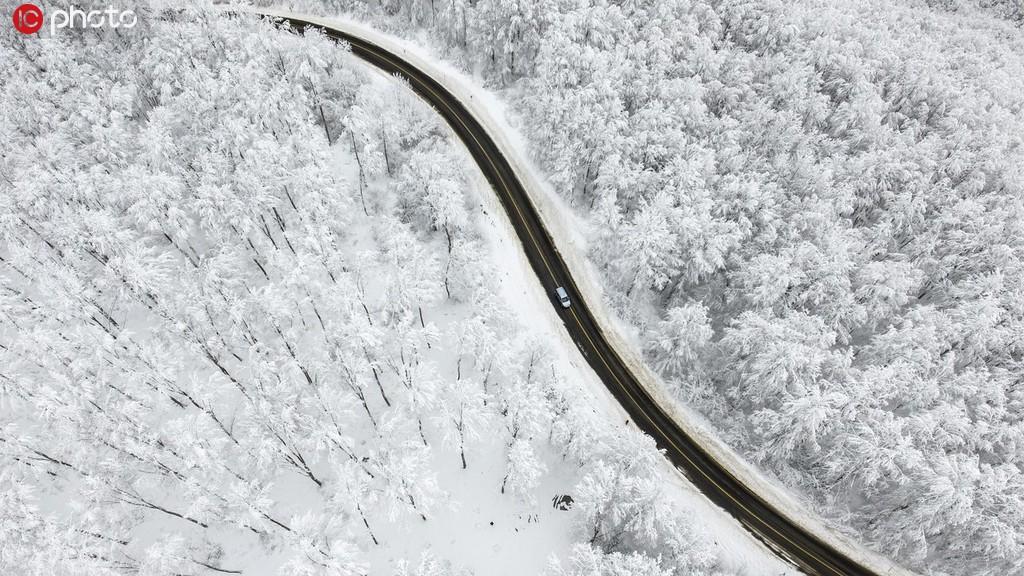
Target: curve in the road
780,533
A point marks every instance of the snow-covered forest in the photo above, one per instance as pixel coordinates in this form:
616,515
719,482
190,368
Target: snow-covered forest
813,214
250,323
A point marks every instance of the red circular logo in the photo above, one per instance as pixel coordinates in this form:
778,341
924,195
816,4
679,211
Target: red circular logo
28,18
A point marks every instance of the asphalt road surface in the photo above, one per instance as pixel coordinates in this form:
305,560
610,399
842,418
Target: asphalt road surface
783,536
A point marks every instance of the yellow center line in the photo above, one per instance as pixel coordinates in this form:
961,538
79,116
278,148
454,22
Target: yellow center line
494,168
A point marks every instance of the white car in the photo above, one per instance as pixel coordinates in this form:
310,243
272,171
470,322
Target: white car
563,296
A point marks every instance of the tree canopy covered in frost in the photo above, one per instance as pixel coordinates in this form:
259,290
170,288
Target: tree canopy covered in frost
247,317
814,213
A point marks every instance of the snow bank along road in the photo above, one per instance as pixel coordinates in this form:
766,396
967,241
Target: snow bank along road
785,536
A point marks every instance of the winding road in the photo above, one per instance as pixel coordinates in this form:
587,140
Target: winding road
782,534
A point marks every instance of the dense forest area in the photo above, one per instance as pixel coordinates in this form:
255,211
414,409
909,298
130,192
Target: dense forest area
813,214
249,323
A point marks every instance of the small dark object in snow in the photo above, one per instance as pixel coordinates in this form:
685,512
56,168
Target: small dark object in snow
562,502
492,523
